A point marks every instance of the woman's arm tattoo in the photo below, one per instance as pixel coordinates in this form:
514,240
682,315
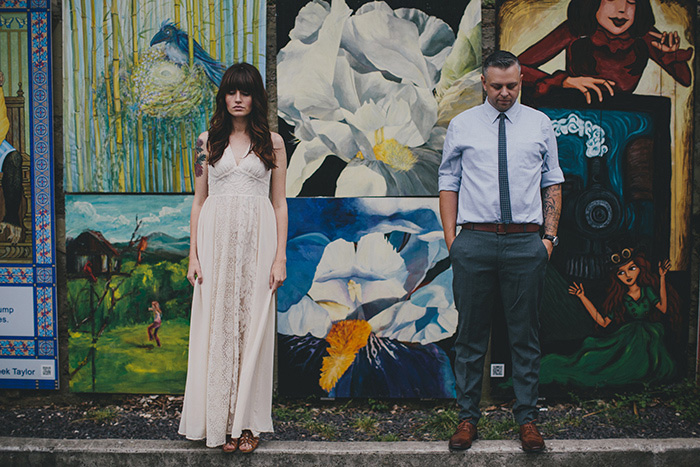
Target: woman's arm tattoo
201,158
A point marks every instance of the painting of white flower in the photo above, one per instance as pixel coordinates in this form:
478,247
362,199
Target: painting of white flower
374,89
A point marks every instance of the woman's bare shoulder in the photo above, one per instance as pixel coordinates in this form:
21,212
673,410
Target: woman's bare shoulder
277,140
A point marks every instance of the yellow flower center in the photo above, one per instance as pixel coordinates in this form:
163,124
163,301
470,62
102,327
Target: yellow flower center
391,152
345,339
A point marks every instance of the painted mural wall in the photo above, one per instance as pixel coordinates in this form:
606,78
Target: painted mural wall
615,78
126,256
28,346
367,309
367,89
139,85
365,93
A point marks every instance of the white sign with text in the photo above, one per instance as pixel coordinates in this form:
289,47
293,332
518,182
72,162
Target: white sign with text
17,311
16,368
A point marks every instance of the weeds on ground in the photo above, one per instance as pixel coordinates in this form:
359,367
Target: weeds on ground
570,420
365,423
377,406
106,414
324,430
388,437
290,414
491,428
441,424
628,407
684,398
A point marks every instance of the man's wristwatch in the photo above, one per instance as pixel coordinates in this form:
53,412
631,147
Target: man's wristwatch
552,238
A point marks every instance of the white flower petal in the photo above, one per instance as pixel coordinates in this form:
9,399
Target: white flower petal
372,263
336,292
435,36
464,93
360,180
307,158
345,83
401,321
376,256
309,21
465,55
381,41
308,89
304,317
338,137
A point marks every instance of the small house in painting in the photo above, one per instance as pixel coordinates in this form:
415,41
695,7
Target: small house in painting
91,254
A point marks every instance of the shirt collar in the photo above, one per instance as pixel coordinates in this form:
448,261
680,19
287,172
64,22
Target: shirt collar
511,114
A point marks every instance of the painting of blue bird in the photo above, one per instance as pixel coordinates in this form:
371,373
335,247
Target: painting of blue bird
176,49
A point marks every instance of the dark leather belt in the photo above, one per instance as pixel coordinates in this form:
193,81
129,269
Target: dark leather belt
502,228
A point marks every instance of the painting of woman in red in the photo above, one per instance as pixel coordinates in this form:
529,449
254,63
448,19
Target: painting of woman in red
608,44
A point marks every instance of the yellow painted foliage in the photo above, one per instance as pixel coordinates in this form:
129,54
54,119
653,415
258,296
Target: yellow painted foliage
346,338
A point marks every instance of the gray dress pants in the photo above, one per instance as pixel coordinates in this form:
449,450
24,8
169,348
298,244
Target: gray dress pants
507,267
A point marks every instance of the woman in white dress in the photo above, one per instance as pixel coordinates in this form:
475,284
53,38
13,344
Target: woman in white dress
238,232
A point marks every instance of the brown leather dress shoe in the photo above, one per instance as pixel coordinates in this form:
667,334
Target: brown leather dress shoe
531,438
463,437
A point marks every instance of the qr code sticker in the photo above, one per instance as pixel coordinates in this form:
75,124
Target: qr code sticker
46,370
498,370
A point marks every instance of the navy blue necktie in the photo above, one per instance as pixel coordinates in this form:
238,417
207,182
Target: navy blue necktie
504,192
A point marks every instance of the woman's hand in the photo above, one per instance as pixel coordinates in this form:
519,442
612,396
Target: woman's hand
667,41
586,84
278,274
664,266
577,289
194,271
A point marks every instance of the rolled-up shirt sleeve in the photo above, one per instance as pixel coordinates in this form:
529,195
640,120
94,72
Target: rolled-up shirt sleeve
450,172
551,172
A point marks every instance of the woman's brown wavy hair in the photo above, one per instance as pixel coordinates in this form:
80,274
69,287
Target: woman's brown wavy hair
245,78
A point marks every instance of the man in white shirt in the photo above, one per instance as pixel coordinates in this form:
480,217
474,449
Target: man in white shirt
500,181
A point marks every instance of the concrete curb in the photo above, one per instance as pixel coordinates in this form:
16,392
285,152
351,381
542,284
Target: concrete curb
143,453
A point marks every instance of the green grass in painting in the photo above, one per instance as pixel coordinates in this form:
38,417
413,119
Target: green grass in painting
126,361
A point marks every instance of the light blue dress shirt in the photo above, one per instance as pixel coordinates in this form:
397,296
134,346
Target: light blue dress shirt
470,163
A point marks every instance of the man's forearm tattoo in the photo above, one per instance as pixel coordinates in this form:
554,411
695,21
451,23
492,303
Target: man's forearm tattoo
201,158
551,206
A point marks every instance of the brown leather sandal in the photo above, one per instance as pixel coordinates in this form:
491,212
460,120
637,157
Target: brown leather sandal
247,442
231,444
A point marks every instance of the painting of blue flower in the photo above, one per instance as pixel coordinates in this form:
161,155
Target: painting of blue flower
367,309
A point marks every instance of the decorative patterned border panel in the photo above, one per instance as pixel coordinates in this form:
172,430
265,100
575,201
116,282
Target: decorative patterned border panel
16,276
14,4
28,333
17,348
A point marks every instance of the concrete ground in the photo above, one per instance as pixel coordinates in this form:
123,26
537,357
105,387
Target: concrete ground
147,453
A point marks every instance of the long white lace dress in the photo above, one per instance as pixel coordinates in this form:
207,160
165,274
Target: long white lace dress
232,330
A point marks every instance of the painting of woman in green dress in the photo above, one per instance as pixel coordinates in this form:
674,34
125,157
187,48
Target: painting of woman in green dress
639,302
